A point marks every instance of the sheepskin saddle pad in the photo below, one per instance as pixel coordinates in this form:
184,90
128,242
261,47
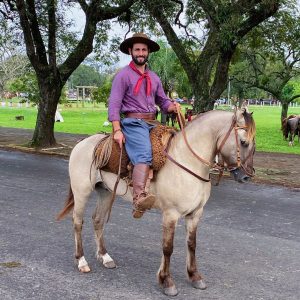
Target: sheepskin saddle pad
107,152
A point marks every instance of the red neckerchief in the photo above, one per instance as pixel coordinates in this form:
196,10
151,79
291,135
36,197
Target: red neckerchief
140,81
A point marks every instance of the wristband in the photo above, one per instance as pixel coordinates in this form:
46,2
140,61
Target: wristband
115,131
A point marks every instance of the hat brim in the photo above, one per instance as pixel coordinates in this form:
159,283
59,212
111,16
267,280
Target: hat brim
128,43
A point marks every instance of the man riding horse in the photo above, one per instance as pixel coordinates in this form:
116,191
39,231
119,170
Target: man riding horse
135,92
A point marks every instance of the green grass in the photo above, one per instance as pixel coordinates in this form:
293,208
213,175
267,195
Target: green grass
268,129
89,120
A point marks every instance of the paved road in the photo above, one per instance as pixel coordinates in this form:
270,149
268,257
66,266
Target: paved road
248,243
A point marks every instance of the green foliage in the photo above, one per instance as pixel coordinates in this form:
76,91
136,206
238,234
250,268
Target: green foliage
85,75
269,57
101,94
26,84
167,66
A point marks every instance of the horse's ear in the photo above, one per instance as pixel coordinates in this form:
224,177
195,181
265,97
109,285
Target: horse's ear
244,108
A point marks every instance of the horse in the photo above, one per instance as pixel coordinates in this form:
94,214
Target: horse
171,117
189,113
191,153
291,128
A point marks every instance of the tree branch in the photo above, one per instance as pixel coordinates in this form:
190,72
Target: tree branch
52,33
94,14
172,38
257,15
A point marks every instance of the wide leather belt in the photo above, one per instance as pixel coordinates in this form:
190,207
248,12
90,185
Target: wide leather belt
144,116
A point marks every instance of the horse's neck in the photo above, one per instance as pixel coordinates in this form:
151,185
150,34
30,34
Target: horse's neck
202,140
203,135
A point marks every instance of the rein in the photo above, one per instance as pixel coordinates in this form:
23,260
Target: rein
114,192
178,164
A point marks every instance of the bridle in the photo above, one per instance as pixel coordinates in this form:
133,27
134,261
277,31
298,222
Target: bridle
239,163
216,166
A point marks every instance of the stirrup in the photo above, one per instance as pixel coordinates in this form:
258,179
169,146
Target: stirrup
143,202
137,214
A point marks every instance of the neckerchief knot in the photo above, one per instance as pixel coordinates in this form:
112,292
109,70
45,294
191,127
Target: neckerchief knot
143,76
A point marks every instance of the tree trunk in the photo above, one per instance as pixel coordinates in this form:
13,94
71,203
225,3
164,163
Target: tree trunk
284,110
43,135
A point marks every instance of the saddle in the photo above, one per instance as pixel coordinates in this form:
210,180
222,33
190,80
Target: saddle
107,152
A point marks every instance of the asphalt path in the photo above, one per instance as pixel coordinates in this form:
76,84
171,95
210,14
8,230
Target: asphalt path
248,241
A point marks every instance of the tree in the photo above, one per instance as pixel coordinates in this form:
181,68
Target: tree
270,58
42,23
13,63
86,75
101,94
167,66
223,25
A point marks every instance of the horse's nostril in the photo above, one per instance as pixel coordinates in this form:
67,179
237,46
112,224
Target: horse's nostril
245,179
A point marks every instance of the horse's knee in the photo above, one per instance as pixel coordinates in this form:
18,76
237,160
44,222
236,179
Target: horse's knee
77,224
191,243
168,249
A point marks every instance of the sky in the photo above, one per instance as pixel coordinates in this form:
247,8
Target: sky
78,16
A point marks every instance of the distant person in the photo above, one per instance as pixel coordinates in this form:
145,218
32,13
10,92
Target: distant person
58,116
135,92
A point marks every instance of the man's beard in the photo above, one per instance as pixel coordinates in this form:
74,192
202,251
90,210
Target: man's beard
137,62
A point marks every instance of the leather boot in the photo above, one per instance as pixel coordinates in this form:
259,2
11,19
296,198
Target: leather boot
141,200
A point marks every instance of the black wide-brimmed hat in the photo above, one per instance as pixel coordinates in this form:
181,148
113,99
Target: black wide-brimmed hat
138,38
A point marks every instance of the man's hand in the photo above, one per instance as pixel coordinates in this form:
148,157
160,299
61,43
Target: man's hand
174,107
119,137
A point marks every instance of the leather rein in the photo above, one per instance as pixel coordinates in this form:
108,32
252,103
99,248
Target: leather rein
215,166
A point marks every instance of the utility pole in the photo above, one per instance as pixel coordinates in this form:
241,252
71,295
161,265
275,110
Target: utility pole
228,91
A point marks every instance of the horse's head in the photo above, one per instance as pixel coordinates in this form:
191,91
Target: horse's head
236,146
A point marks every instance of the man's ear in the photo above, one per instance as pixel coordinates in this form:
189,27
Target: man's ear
129,51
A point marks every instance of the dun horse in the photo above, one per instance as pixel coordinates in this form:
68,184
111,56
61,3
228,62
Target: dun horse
230,135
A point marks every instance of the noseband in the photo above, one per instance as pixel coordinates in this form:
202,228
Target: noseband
215,166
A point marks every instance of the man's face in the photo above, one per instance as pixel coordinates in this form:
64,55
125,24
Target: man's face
139,53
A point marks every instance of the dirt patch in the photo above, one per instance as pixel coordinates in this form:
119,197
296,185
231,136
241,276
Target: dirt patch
277,168
271,168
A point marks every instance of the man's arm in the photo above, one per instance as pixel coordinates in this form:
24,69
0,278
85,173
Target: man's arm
165,104
117,133
114,106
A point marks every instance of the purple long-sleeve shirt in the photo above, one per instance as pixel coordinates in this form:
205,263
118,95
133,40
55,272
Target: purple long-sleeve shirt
122,99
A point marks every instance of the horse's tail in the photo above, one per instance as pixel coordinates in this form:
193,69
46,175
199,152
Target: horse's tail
284,128
69,204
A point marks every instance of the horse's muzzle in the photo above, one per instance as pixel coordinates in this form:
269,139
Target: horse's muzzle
239,175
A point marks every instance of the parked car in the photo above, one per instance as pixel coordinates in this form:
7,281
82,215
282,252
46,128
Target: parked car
178,100
221,101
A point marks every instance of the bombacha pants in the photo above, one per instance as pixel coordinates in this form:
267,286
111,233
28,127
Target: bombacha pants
137,140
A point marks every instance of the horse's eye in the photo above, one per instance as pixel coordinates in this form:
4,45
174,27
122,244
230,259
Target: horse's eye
244,143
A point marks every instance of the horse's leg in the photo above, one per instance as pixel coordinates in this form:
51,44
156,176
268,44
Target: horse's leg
292,136
163,275
79,205
99,218
191,222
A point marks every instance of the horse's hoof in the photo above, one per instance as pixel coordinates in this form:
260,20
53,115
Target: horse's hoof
110,265
107,261
83,266
84,269
199,284
171,291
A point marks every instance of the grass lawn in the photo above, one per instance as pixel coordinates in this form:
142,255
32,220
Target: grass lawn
89,120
